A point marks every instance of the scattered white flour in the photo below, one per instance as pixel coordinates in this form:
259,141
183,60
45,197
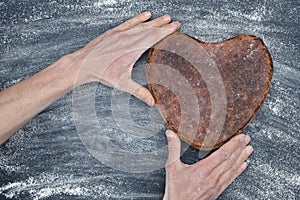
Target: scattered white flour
277,105
47,185
280,183
257,15
102,3
275,134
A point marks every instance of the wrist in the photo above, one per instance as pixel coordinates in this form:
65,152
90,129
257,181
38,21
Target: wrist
78,66
60,76
68,69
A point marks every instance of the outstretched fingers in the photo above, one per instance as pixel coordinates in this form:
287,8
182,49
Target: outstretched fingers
237,156
136,20
226,164
158,22
228,171
230,176
151,35
173,26
237,168
222,154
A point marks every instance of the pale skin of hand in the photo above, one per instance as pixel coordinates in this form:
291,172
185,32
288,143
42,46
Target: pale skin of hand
109,59
209,177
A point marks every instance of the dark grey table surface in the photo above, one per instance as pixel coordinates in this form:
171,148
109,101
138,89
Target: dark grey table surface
47,160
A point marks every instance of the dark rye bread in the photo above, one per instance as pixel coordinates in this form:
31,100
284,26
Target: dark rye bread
208,92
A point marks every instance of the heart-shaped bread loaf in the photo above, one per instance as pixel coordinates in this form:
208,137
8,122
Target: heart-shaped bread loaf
208,92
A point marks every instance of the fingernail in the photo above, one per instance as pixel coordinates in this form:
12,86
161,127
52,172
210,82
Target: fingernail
149,101
175,24
167,17
147,13
247,139
249,150
169,134
244,165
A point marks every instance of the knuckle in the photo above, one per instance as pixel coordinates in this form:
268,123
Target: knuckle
204,170
121,37
205,173
143,27
234,169
138,93
129,23
231,160
214,182
237,168
224,154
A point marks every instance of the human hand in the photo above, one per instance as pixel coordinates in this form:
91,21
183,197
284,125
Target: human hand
110,57
208,178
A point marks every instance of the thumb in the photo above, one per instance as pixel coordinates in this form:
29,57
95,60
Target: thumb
144,95
138,91
174,147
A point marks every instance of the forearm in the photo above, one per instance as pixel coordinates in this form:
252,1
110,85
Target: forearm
108,59
23,101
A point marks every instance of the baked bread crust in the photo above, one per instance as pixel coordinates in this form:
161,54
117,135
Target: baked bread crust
245,67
